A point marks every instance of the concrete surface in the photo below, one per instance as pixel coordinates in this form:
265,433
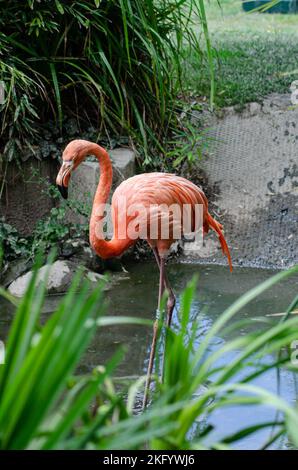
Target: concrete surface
24,200
252,165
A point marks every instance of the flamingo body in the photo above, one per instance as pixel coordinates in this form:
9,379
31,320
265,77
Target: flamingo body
156,192
150,195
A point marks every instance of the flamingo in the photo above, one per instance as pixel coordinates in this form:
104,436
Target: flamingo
150,190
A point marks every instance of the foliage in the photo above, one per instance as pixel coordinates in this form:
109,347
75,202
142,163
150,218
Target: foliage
52,230
12,243
55,229
185,146
49,232
115,63
60,410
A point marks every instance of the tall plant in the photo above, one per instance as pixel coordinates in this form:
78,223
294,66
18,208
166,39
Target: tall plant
116,63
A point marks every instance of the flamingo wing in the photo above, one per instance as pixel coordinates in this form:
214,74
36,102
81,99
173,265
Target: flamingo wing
154,191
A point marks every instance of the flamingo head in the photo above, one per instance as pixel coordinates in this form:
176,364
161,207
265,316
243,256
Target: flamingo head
73,155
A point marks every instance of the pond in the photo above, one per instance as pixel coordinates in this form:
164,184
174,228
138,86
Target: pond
136,295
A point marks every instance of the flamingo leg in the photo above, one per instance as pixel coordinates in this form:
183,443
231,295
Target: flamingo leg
170,307
155,331
171,302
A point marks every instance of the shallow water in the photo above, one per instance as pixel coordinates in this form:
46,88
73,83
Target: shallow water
136,295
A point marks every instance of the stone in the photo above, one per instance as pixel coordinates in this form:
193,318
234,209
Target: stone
276,102
176,247
58,280
81,254
14,269
251,109
94,277
85,178
71,127
228,111
123,161
60,276
195,249
254,108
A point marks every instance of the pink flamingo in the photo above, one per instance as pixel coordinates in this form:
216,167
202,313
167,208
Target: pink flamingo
149,190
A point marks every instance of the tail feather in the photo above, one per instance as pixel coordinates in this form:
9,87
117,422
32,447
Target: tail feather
217,227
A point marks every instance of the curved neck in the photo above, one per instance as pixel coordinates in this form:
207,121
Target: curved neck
103,248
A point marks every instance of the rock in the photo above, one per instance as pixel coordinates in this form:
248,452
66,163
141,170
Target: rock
60,277
251,109
254,108
82,187
123,161
176,247
195,117
195,249
228,111
94,277
80,253
71,127
85,179
14,269
276,101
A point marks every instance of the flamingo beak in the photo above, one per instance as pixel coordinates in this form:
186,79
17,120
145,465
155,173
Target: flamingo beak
63,178
63,191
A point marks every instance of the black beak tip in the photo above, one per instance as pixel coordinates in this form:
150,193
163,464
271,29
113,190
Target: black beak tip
63,191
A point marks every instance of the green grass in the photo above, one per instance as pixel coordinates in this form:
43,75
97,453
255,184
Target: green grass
230,17
255,54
